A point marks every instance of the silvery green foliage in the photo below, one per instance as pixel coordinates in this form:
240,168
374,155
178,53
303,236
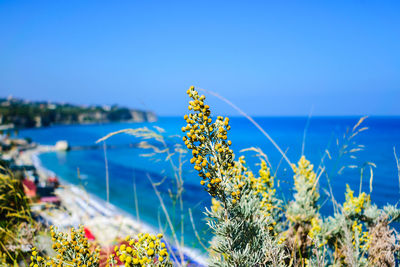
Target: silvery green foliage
392,213
353,256
242,237
304,207
302,210
319,256
372,213
331,226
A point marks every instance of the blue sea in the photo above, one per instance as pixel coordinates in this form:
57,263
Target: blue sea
314,136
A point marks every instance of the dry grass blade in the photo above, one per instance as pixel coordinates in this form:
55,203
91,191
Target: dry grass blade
259,152
370,165
146,145
111,134
135,198
371,179
359,123
303,143
279,164
107,173
160,199
195,230
143,132
397,164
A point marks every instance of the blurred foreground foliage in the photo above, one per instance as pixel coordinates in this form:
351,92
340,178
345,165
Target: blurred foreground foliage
17,229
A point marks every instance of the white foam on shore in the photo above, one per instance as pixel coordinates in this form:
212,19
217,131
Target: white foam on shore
92,204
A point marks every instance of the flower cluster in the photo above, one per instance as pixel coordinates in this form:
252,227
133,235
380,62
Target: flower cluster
304,173
215,205
266,188
355,205
315,227
262,187
212,157
360,237
316,233
242,229
145,250
304,207
72,250
240,180
306,197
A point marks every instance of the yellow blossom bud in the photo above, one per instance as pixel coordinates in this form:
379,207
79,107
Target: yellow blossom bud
150,252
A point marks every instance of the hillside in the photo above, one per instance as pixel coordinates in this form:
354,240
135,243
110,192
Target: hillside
27,114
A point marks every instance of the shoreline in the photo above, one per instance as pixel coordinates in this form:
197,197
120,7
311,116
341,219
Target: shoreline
106,221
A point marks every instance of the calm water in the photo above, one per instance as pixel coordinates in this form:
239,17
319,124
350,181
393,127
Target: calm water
127,166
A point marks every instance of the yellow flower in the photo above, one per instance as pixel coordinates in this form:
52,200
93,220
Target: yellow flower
150,252
202,133
128,259
215,205
355,204
315,227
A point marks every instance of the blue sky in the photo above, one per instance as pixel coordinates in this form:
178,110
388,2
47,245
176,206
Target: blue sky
267,57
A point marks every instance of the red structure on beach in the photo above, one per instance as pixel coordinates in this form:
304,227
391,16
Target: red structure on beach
29,188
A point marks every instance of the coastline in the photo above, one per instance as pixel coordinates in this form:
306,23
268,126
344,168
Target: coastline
106,221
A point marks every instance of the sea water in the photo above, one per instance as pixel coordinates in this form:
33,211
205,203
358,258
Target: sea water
316,137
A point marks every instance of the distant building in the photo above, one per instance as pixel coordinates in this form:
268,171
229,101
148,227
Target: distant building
38,121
